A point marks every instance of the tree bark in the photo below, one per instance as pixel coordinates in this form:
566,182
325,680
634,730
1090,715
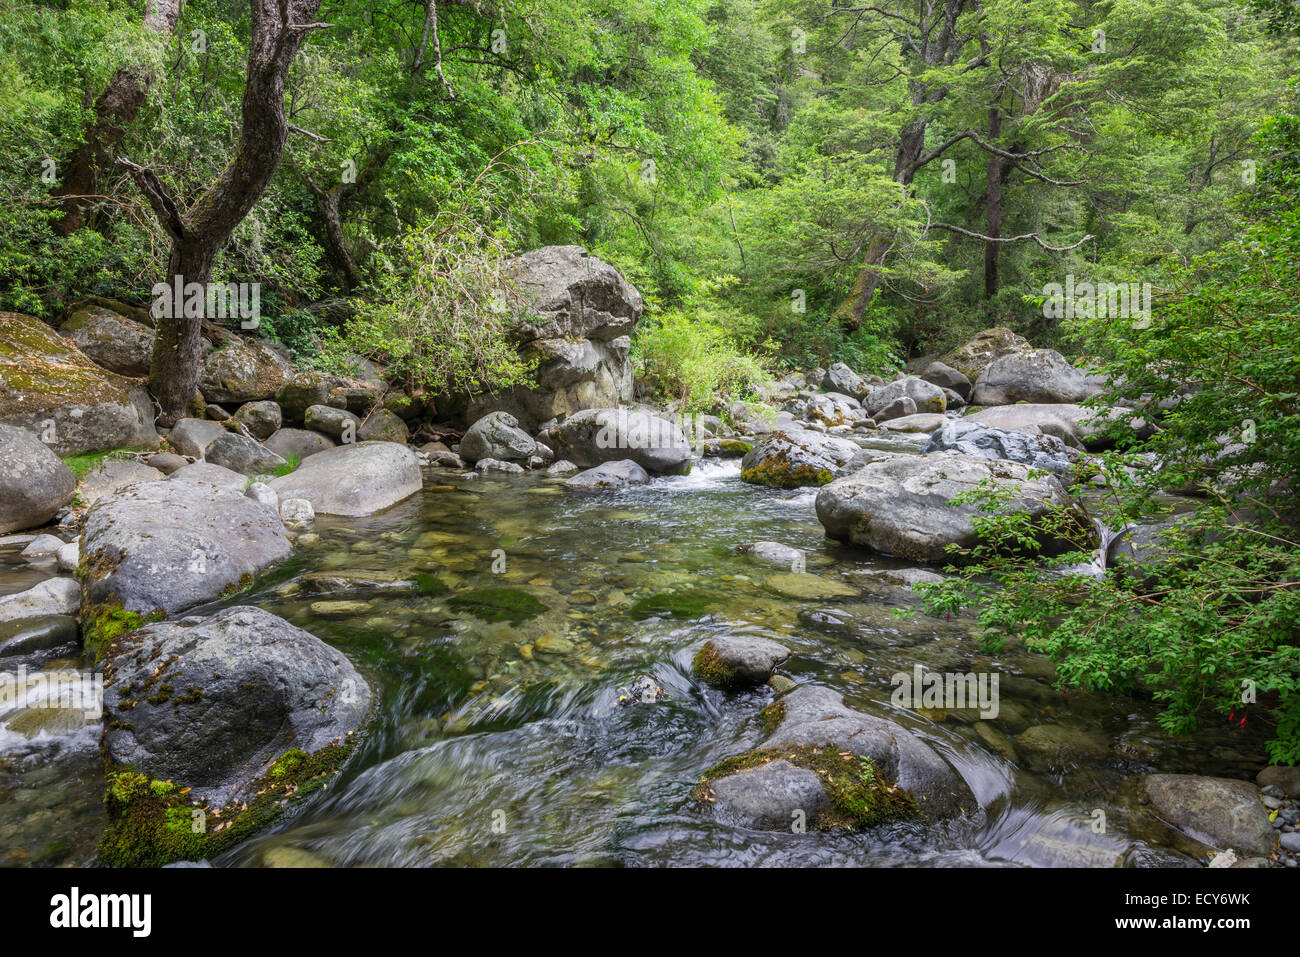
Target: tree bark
993,204
198,234
115,111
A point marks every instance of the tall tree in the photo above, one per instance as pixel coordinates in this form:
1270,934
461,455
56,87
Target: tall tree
198,232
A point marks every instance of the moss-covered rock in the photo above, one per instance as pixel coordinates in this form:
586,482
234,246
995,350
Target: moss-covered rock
792,458
49,387
498,604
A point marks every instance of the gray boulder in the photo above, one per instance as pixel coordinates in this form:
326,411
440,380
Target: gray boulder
736,661
241,454
610,475
1032,375
113,475
497,436
771,797
167,546
54,596
191,436
336,423
215,701
796,457
208,473
574,295
383,426
1040,451
261,418
973,357
242,371
831,409
899,505
51,389
301,443
354,480
595,436
840,378
110,340
496,465
946,377
1219,812
34,482
926,397
301,391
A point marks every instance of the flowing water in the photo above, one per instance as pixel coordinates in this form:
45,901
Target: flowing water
529,742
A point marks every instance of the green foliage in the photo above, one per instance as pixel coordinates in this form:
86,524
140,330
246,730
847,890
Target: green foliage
687,354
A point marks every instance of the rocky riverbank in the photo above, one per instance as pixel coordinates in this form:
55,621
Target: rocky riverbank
227,715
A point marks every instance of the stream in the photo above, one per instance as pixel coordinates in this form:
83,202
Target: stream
505,743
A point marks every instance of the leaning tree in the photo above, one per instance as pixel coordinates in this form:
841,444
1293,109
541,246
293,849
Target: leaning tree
199,230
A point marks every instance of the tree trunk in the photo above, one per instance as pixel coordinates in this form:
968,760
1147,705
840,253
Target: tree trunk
993,207
115,111
279,27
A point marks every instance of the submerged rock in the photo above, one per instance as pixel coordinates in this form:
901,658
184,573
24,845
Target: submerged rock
1219,812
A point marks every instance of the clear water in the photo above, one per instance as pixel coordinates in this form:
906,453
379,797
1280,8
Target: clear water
502,744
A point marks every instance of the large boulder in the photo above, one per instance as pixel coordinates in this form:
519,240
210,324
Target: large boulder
243,371
110,340
231,714
354,480
1220,812
336,423
241,454
1078,426
610,475
971,358
1038,451
594,436
580,316
382,425
113,475
736,661
796,457
840,378
299,443
191,436
34,482
926,396
261,418
301,391
895,774
1032,375
50,388
899,505
167,546
497,436
946,377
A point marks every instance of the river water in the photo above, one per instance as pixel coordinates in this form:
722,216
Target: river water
505,742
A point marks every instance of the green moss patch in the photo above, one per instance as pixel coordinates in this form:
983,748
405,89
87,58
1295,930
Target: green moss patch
709,666
498,604
676,604
152,823
778,471
859,795
428,584
101,625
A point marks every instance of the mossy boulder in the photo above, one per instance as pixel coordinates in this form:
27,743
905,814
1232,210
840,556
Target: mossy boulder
243,371
972,357
870,770
738,661
214,728
51,389
791,458
110,339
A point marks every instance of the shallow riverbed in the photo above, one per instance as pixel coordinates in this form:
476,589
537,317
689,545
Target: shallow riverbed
505,743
